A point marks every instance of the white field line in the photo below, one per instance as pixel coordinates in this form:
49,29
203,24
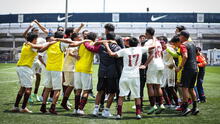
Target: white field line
5,69
3,82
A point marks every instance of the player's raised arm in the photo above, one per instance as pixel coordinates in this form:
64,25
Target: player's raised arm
109,50
79,28
26,31
41,27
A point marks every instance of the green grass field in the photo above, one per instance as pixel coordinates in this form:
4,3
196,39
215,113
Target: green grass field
209,112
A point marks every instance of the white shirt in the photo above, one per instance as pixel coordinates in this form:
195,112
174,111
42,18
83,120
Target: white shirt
132,60
69,61
40,40
157,62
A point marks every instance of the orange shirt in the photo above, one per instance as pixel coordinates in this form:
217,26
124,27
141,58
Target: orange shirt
201,61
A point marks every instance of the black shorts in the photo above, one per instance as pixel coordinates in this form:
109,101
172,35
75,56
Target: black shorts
188,78
109,85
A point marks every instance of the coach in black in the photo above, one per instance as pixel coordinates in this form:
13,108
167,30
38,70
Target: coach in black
108,76
189,73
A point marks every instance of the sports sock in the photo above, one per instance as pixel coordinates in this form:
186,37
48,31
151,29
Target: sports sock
194,104
83,102
77,101
119,110
152,100
64,101
18,99
138,109
160,98
26,97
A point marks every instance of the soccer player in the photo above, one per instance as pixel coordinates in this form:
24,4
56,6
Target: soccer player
107,76
168,82
69,68
201,64
83,74
54,67
154,72
24,71
130,80
189,72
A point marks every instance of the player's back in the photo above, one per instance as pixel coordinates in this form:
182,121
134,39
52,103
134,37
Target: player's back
132,60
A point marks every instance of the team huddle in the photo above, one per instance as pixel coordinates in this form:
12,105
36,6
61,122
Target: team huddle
172,70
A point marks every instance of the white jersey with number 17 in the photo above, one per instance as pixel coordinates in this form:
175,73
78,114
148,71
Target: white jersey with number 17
132,60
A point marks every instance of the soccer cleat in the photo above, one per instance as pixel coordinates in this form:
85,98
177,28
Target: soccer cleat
36,98
151,111
80,112
101,108
95,112
179,108
118,117
69,104
185,112
195,111
50,100
106,113
15,109
65,106
30,100
53,111
41,99
160,109
138,117
25,110
43,108
74,111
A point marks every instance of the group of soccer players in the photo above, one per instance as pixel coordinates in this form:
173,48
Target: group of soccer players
125,66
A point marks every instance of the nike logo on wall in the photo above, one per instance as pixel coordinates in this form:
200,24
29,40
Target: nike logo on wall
157,18
62,18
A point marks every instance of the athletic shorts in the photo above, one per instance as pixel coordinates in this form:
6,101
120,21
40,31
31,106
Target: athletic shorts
25,76
109,85
154,77
36,67
53,79
188,78
69,78
127,84
82,81
168,78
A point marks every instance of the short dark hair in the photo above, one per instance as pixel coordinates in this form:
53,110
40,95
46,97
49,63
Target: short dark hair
198,49
74,35
84,31
31,36
110,36
33,29
141,36
150,30
163,38
68,31
109,27
181,27
59,34
59,28
175,39
133,42
92,36
185,34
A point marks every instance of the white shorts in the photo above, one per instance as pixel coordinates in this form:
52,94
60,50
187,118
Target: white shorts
25,76
168,78
69,76
36,67
53,79
154,76
127,84
82,81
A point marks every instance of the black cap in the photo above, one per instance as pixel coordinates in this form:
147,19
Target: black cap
185,34
180,27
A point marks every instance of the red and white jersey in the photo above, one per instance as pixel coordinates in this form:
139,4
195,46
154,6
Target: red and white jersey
132,60
157,62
